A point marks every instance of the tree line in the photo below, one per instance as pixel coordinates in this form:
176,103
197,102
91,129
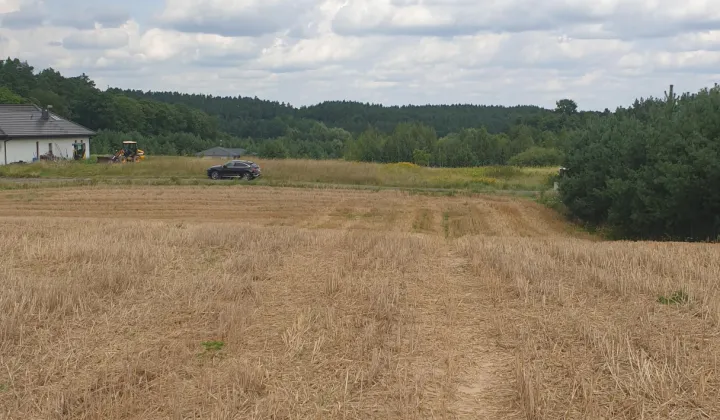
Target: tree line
172,123
255,118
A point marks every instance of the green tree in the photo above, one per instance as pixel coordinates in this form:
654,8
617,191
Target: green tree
647,173
454,150
566,107
521,139
18,76
421,157
368,147
9,97
49,98
127,114
273,149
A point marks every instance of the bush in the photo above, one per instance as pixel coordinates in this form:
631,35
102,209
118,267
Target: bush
537,156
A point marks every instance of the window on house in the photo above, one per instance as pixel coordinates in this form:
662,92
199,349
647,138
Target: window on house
50,148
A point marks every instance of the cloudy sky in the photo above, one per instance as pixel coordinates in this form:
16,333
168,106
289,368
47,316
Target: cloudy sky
602,53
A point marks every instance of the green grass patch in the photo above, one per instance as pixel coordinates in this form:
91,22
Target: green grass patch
677,298
213,345
187,170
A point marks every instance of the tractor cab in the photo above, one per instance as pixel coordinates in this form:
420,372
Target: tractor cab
130,148
79,150
130,152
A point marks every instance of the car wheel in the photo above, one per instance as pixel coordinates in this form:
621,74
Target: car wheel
248,177
215,175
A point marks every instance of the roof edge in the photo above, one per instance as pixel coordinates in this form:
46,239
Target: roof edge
44,136
93,132
88,132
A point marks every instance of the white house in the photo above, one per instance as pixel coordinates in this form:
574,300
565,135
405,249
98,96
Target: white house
28,132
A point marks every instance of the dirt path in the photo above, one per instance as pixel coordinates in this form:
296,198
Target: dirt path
483,383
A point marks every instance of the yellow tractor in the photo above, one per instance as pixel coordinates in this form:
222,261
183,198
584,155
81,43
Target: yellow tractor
129,153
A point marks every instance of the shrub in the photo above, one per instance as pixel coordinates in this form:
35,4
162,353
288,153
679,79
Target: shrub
537,156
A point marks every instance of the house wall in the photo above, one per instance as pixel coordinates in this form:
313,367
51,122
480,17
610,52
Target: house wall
26,149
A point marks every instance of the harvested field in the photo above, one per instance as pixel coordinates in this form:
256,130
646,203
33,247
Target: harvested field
267,206
237,302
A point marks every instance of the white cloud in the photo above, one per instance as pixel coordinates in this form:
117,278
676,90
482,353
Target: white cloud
626,18
706,40
97,39
232,17
309,53
603,53
208,49
9,6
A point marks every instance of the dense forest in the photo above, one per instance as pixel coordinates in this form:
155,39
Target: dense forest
239,116
647,171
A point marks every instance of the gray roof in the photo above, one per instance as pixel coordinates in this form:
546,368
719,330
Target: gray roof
17,121
221,151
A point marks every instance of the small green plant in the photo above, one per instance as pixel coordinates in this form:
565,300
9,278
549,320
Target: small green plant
446,225
677,298
213,345
551,199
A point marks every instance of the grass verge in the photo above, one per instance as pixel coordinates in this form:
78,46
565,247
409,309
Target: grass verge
295,171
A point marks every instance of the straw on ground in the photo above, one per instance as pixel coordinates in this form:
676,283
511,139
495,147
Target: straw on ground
179,302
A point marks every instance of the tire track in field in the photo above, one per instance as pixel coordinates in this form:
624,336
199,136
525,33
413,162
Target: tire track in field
315,209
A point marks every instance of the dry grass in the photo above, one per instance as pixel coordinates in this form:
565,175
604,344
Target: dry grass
299,171
268,206
190,302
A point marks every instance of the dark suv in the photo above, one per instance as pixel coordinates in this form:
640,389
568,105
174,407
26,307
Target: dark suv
235,169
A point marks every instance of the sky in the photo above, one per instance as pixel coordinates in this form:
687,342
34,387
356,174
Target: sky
601,53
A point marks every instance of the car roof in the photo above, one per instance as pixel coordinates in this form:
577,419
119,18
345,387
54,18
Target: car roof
242,161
